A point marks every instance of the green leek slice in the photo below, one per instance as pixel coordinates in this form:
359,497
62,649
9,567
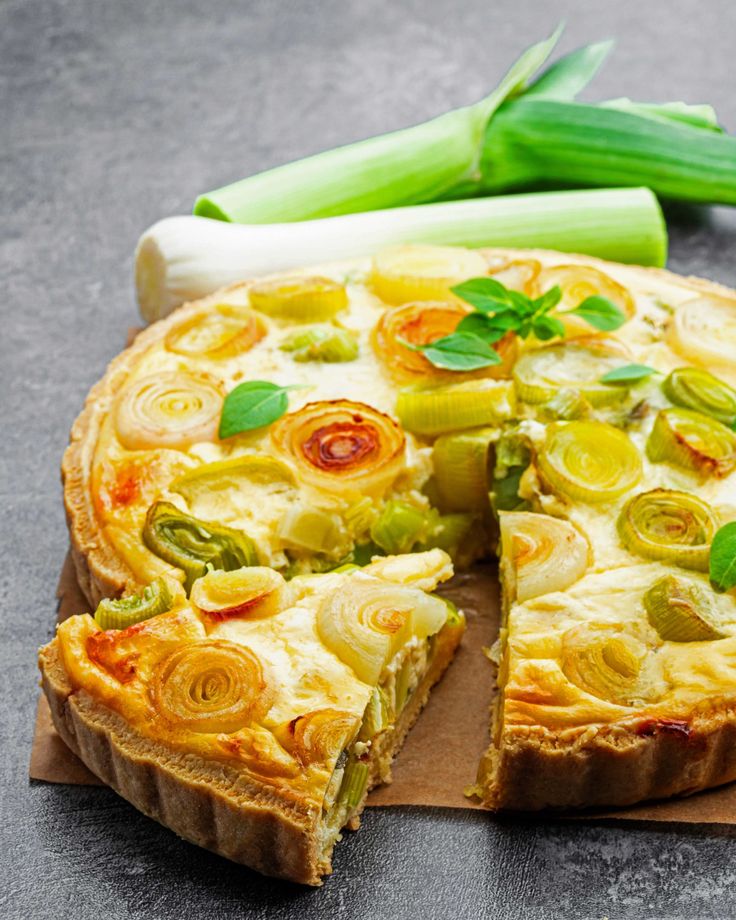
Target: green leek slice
156,598
460,463
670,526
321,343
577,365
589,461
435,410
693,441
695,388
398,527
192,545
354,783
681,610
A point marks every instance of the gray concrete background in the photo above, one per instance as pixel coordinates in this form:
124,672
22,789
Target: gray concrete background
117,113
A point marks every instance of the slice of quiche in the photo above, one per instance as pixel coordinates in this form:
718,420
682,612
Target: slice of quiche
253,717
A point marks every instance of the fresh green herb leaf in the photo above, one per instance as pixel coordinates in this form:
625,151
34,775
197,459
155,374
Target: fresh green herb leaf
547,327
548,300
629,373
252,405
600,313
488,328
723,558
459,351
490,296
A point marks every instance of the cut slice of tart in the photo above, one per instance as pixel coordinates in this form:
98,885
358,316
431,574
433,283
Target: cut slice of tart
253,717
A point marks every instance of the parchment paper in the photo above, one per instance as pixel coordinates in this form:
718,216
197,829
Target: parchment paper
440,756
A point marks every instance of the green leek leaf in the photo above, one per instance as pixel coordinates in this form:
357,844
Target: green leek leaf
567,77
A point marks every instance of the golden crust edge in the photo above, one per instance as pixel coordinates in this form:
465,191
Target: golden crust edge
100,572
215,810
533,769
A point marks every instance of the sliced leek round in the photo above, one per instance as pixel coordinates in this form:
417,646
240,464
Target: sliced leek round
408,273
669,526
577,364
303,300
682,610
223,331
342,445
539,554
703,330
612,665
697,389
156,598
169,409
431,411
577,282
366,621
319,737
322,342
515,274
589,461
248,593
460,461
692,441
210,686
192,545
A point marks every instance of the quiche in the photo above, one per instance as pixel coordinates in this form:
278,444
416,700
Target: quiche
265,489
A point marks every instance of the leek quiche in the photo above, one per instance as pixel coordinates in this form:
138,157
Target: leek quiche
265,489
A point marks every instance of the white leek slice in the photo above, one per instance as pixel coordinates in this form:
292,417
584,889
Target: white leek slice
703,330
540,554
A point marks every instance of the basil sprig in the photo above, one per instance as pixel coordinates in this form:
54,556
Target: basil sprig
628,373
723,558
253,404
499,310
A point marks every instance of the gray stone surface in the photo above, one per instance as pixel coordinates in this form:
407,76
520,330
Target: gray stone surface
117,113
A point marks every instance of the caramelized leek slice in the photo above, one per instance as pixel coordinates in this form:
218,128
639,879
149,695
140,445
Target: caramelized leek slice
589,461
342,445
515,274
681,610
460,464
366,621
399,527
408,273
670,526
693,441
302,300
435,410
695,388
311,529
223,331
191,545
170,409
577,282
703,330
320,736
321,343
612,665
540,554
577,364
210,686
249,593
158,597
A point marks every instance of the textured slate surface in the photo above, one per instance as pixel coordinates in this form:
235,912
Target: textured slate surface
117,113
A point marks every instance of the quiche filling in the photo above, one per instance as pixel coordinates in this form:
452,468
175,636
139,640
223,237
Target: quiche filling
274,480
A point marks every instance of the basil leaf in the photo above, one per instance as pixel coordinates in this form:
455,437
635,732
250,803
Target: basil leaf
629,373
460,351
252,405
723,558
548,300
490,296
488,328
600,312
547,327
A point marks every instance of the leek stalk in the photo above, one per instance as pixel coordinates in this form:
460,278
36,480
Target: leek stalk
183,258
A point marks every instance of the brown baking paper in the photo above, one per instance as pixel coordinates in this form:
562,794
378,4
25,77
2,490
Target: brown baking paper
440,756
